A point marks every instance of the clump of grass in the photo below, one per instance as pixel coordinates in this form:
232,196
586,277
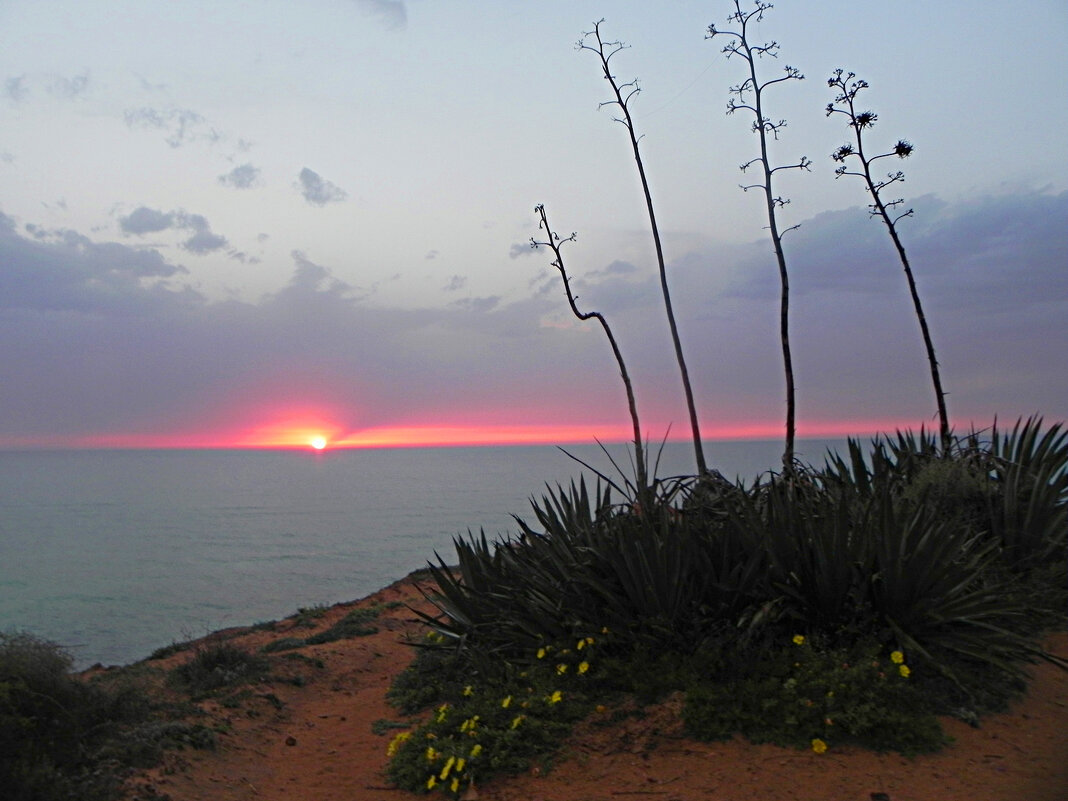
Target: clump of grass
308,616
356,623
284,644
217,665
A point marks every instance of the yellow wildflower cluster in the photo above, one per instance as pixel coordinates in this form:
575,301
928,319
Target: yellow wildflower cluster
469,726
819,746
898,658
454,766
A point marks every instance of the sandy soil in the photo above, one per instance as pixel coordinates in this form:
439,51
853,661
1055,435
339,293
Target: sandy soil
315,743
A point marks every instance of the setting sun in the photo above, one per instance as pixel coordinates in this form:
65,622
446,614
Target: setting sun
318,443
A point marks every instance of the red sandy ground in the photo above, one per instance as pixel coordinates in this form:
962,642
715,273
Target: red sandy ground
319,746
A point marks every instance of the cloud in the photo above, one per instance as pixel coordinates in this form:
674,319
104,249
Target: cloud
392,13
478,305
101,337
616,269
204,242
181,126
62,270
318,191
15,88
69,88
455,283
144,220
244,176
520,249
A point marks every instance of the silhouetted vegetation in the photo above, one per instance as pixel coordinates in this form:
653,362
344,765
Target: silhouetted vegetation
846,603
848,87
63,737
749,96
554,242
622,95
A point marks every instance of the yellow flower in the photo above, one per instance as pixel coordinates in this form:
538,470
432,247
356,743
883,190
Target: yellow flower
460,764
541,653
904,671
556,697
455,786
581,645
469,724
507,702
561,668
468,690
517,720
799,639
431,754
448,767
476,750
431,782
583,667
897,657
819,746
395,743
589,641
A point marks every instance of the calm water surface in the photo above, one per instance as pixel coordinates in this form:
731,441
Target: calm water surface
116,553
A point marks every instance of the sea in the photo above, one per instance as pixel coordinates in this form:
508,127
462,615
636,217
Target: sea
115,553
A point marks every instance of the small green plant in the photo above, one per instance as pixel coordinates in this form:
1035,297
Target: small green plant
284,644
218,665
798,695
309,616
436,672
356,623
500,724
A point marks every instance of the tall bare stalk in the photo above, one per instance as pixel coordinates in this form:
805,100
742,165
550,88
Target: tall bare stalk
623,93
848,87
554,242
749,96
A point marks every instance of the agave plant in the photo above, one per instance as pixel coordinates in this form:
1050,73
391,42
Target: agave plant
1029,512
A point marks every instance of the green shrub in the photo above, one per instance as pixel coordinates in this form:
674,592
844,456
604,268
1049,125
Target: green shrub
797,695
284,644
217,665
60,737
355,624
500,724
436,673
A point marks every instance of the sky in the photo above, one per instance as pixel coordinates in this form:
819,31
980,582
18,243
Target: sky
232,224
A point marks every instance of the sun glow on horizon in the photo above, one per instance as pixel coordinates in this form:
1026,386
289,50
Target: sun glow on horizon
316,432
